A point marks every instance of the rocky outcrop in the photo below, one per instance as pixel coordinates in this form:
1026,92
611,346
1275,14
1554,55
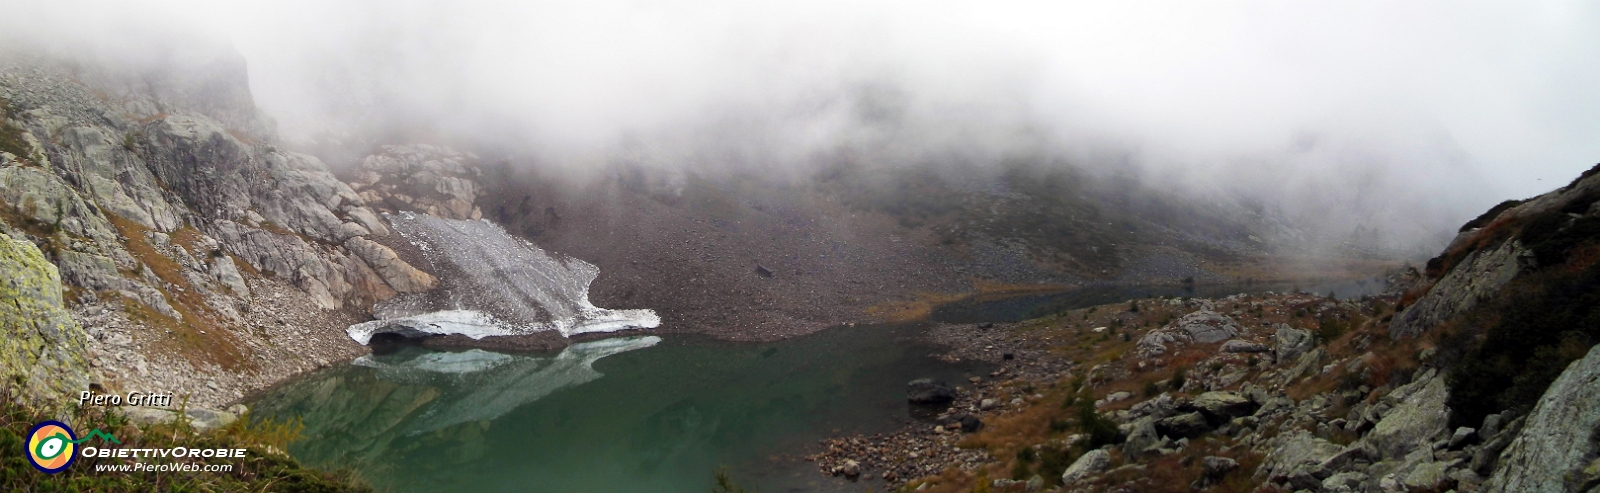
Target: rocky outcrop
400,275
159,192
1478,276
1558,450
1296,459
1199,327
433,180
41,348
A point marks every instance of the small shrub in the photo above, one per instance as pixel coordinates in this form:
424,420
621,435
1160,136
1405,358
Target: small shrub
1150,389
1178,379
1101,430
725,484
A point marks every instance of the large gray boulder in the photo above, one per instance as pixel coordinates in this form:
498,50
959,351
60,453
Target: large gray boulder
1092,462
1141,435
42,350
1221,406
1419,417
1289,343
1296,457
1188,425
1559,447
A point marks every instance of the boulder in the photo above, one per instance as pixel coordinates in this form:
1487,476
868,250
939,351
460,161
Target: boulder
1289,343
1463,437
1557,448
1296,454
928,391
1238,346
43,351
1418,420
965,422
1344,482
969,423
1140,436
1187,425
1214,468
1430,476
1092,462
1221,406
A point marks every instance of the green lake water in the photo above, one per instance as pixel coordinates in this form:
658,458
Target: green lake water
632,414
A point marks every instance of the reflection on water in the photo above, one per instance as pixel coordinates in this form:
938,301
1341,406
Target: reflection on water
482,385
636,414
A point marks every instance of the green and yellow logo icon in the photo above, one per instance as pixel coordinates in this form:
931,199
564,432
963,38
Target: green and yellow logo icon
52,445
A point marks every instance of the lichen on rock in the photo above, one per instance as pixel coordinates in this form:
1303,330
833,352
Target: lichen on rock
42,350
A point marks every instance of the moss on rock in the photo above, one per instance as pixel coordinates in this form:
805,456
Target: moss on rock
42,350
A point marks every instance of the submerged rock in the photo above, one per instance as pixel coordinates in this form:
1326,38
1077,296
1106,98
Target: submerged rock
929,391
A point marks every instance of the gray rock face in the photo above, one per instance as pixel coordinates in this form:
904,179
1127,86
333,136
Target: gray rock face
400,275
1200,327
42,350
1141,435
1418,419
1092,462
1296,455
1221,406
182,147
1289,343
1237,346
1478,276
433,180
1558,449
1189,425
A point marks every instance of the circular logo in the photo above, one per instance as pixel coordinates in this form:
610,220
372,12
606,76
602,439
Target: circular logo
50,446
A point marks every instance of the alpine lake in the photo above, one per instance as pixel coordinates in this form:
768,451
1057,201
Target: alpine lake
639,413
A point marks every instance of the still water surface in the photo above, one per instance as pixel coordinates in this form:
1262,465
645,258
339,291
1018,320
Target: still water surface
635,414
642,413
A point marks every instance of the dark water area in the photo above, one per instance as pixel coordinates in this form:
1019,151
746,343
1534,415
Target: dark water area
633,414
1016,308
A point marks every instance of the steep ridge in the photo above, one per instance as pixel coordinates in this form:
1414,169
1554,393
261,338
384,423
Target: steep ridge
203,260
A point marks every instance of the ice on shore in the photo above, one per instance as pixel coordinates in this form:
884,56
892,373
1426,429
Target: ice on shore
493,284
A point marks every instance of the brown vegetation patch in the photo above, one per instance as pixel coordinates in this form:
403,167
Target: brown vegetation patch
198,333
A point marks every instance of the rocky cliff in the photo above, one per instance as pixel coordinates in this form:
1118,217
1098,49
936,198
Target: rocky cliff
203,259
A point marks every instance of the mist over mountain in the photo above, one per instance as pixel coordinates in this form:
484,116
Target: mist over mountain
1345,121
